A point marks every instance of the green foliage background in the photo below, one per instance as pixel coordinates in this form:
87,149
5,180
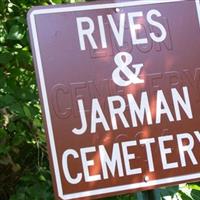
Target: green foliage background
24,170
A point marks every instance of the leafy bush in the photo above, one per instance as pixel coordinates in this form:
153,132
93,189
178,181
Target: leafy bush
23,155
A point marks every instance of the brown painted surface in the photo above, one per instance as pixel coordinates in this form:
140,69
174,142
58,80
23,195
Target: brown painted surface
71,74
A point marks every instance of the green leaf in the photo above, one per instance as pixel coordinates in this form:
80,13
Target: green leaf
169,191
194,187
27,112
37,123
17,108
5,58
3,33
195,194
16,33
57,1
24,57
184,196
7,100
3,151
42,178
2,7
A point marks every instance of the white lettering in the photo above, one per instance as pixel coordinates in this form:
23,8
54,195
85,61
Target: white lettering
162,107
177,100
82,118
96,110
153,36
102,32
85,32
135,27
147,142
164,151
140,112
186,148
119,34
117,111
128,157
66,154
87,163
112,163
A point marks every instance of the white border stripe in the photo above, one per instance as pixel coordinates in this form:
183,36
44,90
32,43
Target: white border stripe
46,105
198,9
101,6
47,111
132,186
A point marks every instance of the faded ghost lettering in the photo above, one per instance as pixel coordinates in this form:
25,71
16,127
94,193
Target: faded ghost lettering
65,97
86,29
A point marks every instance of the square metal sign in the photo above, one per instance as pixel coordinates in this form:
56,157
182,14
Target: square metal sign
119,85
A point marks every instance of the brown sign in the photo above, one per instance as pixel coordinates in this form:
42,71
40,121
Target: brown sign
120,87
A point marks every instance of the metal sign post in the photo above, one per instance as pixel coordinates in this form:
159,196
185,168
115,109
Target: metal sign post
149,195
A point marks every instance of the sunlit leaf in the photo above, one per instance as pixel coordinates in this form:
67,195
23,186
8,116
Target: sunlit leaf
27,112
16,33
57,1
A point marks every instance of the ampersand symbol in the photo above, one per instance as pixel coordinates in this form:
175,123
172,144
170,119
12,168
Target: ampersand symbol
123,60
